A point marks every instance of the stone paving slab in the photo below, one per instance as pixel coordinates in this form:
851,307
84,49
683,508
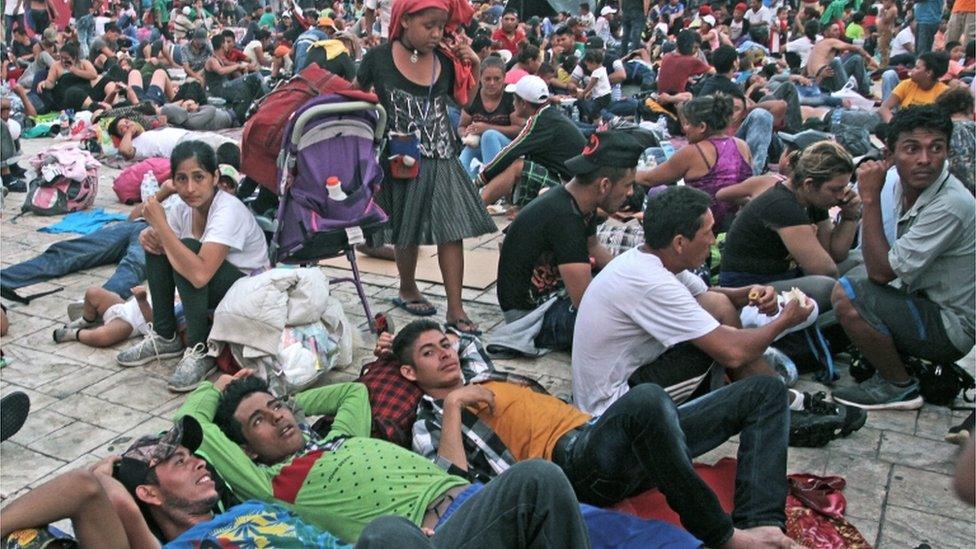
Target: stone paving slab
85,406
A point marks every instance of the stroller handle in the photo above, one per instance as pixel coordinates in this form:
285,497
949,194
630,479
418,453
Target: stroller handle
340,108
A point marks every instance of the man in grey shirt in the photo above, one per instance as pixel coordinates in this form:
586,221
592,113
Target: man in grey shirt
917,295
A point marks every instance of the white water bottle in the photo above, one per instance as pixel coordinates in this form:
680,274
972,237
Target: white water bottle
64,123
149,186
334,187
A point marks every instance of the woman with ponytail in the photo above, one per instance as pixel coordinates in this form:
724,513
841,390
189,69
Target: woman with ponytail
785,237
712,161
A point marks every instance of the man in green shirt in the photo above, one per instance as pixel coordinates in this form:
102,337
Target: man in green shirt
344,480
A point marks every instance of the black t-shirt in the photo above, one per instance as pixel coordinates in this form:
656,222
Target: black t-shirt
20,50
720,83
501,116
80,8
341,65
549,232
752,244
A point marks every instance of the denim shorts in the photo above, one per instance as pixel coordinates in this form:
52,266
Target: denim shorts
912,321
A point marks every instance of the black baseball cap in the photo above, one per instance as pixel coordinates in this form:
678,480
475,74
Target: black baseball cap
149,451
801,140
595,43
610,148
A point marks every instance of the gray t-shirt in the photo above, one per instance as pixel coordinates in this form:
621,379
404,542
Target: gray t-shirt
935,253
195,59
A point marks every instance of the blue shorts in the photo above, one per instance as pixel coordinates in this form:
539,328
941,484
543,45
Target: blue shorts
153,94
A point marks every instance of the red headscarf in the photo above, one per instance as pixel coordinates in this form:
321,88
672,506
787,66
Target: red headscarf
459,12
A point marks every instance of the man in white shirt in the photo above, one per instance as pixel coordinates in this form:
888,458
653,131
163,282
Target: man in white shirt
646,319
759,15
903,46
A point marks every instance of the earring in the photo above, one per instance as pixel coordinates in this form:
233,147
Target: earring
415,56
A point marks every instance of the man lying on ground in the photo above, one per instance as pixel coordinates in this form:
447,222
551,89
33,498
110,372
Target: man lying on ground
344,480
162,494
641,441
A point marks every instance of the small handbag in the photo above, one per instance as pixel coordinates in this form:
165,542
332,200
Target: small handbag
404,147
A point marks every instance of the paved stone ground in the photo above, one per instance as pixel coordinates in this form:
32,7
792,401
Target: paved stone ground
84,406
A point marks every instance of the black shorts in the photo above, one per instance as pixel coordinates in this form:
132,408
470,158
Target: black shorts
913,322
153,94
683,371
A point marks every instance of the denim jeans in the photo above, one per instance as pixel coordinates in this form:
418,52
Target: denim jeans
492,142
757,131
889,80
529,505
113,243
164,281
86,33
557,326
643,440
632,25
843,70
925,37
788,92
639,73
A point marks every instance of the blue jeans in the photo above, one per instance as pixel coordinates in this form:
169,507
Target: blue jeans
632,26
852,66
557,326
492,142
889,80
114,243
643,440
757,131
925,37
86,33
639,73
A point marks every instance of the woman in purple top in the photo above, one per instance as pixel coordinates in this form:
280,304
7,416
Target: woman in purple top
712,161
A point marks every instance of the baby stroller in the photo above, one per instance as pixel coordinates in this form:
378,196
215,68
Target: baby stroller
329,137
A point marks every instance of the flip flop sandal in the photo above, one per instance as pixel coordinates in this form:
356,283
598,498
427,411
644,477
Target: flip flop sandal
457,326
416,307
13,413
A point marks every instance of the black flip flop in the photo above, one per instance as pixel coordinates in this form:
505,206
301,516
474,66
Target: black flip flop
410,306
13,413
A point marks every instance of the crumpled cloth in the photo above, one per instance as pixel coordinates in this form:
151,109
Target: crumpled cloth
83,222
72,162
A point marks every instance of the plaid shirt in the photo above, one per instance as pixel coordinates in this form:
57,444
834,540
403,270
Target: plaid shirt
394,399
487,454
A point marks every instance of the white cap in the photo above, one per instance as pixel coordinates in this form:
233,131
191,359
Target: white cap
607,10
708,19
505,55
187,10
530,88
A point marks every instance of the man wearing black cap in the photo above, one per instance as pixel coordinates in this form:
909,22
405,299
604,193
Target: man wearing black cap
157,481
551,248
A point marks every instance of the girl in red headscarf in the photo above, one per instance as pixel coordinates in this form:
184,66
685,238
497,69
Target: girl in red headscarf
422,72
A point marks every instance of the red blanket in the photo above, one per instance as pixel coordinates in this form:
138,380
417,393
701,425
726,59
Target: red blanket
814,507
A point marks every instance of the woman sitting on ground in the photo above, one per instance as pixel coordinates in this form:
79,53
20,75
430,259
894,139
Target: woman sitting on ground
199,247
69,77
489,123
785,237
713,160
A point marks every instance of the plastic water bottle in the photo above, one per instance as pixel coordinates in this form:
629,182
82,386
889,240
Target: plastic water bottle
783,365
64,122
334,186
149,186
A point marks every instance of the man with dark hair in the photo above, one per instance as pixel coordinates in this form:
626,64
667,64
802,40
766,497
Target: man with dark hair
826,66
922,87
536,158
917,295
678,67
803,45
485,425
344,480
646,319
509,34
551,248
159,492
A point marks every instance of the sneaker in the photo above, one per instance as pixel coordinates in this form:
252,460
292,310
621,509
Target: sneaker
959,434
75,310
65,333
152,347
877,394
821,421
193,368
13,413
80,323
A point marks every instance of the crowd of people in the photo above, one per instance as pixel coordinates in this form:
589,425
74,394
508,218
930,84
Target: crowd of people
693,188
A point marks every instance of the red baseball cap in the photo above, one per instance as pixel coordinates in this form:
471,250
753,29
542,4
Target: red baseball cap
705,10
741,6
